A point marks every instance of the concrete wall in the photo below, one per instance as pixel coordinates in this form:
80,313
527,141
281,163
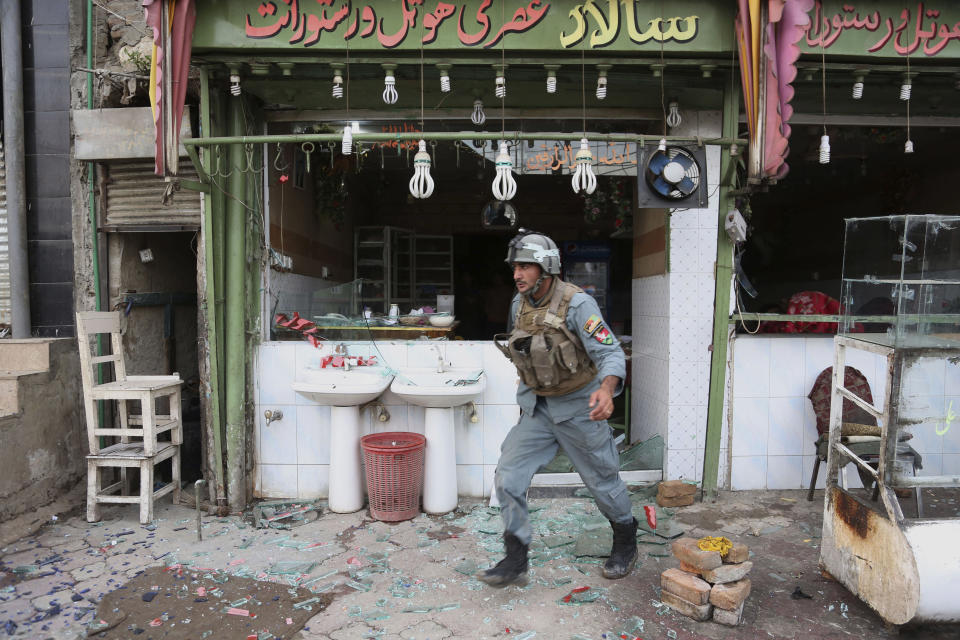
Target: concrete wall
44,444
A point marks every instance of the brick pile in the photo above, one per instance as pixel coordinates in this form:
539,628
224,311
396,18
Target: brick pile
675,493
707,585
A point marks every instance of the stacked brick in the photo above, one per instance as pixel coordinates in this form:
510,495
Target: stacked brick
707,585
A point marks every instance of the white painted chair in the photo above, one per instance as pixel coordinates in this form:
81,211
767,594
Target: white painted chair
135,443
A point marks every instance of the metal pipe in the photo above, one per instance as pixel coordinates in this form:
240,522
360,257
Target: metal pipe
214,354
12,61
721,305
235,355
450,136
92,216
903,481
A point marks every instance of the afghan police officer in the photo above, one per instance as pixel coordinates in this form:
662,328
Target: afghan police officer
570,366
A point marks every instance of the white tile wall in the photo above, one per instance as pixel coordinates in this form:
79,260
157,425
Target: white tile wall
773,419
293,454
693,248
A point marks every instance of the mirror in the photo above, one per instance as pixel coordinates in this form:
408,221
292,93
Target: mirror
498,214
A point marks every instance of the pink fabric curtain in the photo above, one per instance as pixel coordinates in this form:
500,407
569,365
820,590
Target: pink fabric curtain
183,18
786,21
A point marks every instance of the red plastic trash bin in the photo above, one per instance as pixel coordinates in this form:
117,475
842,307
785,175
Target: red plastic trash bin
393,464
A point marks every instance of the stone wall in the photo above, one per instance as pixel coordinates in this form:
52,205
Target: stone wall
45,442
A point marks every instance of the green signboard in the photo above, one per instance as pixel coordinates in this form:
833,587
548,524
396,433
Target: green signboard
884,28
302,26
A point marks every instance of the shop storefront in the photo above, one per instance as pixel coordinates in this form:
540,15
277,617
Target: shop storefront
880,80
298,220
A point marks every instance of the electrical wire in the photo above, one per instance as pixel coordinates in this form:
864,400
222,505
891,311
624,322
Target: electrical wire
583,91
663,68
823,85
503,70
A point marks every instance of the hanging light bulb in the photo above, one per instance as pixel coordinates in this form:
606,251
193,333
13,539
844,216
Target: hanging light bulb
504,186
583,177
908,146
337,90
858,86
602,81
500,82
673,118
421,184
234,84
389,84
824,149
347,147
478,117
906,87
663,145
444,77
551,77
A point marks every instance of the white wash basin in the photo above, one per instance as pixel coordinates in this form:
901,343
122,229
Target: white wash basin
340,388
428,388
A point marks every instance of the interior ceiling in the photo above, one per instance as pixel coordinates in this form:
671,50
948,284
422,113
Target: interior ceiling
633,84
935,90
629,87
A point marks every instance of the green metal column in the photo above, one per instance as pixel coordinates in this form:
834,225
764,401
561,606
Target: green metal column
218,112
721,307
214,328
235,312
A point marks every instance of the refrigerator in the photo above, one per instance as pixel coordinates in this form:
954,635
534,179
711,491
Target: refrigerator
587,265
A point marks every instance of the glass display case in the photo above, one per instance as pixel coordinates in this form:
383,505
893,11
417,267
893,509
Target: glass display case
901,302
901,281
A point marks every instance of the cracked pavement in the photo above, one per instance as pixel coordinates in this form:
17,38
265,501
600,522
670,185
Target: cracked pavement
414,579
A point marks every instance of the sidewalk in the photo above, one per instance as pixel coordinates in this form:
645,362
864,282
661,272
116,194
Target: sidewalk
415,579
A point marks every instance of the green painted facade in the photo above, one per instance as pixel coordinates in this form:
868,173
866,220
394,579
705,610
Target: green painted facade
884,29
689,27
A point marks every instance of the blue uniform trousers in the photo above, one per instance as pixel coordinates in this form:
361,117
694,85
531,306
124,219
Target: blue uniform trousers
533,442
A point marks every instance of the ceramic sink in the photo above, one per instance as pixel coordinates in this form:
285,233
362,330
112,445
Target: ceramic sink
341,388
442,390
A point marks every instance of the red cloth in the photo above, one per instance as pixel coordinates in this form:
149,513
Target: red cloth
811,302
821,392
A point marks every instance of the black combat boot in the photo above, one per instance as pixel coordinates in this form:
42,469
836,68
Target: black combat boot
510,570
623,555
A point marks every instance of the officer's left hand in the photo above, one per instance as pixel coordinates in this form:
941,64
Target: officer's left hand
601,401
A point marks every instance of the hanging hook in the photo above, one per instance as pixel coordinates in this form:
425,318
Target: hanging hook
382,159
307,148
219,159
332,146
281,167
433,151
249,150
456,144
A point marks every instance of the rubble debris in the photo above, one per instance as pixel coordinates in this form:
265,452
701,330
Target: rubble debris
675,493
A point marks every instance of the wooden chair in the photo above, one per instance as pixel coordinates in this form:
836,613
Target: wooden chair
138,445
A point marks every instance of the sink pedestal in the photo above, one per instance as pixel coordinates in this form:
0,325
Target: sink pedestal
346,472
440,462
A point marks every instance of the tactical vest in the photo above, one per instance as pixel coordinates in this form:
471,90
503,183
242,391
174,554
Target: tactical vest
550,359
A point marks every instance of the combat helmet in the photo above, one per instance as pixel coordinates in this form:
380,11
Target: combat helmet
532,246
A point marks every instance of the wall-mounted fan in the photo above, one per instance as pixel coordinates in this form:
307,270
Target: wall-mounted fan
675,176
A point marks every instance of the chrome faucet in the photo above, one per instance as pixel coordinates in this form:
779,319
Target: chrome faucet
341,350
439,358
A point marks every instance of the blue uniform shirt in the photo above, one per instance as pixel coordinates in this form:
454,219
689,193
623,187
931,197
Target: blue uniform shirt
585,321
